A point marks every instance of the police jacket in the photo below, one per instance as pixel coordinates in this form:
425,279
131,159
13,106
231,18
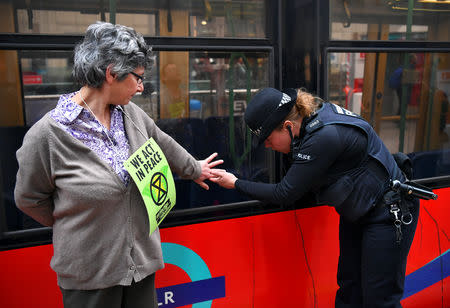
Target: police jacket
337,160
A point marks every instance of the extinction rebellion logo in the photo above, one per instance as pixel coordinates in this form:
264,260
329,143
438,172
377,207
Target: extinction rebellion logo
158,188
202,289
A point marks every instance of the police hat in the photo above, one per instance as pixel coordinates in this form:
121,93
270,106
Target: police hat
267,109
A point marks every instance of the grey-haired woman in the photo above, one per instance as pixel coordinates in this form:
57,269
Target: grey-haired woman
72,177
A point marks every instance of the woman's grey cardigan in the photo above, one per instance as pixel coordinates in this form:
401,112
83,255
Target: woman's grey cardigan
100,226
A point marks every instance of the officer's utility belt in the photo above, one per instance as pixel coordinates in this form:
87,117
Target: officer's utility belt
395,198
399,192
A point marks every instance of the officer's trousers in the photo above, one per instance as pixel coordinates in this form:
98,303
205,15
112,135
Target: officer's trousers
372,265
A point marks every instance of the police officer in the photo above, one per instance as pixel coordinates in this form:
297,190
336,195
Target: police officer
337,159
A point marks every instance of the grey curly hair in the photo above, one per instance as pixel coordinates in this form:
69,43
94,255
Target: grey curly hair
119,47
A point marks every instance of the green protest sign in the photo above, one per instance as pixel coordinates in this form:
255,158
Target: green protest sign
150,171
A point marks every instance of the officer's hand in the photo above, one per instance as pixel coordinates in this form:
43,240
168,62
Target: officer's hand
223,178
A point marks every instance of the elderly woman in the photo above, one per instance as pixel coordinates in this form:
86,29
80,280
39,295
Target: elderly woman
72,177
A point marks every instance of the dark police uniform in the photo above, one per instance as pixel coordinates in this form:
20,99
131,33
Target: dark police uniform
339,160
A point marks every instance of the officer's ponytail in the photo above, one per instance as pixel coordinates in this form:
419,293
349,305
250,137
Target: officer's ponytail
305,105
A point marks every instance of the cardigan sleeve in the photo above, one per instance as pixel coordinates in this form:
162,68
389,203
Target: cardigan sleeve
180,161
34,186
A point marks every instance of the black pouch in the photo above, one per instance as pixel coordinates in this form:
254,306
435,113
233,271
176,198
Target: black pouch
354,194
404,163
336,193
391,197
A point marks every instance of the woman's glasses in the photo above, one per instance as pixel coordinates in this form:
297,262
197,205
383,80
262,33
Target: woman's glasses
140,78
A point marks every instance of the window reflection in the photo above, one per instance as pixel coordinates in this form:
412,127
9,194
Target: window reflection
201,85
229,19
181,85
389,20
76,22
199,99
194,18
405,97
45,76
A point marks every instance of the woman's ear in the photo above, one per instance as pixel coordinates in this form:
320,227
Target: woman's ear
288,125
110,76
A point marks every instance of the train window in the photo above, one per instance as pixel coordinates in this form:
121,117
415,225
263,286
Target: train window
196,97
199,100
360,20
195,18
406,98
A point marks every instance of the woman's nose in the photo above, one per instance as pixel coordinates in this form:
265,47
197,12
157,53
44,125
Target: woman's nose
140,87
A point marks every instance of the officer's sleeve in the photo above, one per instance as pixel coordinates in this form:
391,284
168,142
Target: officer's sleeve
311,162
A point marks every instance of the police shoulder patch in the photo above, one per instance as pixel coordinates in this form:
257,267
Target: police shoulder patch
302,157
339,110
313,125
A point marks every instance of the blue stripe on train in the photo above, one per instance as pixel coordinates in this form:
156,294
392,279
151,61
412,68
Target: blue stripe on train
426,276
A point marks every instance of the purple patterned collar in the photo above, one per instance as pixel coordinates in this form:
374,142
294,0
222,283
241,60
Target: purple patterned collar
67,110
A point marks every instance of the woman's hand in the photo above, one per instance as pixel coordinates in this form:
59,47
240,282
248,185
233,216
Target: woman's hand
207,166
223,178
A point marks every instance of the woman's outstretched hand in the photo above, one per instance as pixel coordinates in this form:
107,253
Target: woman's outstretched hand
207,165
223,178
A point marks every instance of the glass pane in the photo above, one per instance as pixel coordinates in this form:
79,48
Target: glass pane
69,17
417,20
196,18
57,22
405,97
196,97
45,75
200,99
244,19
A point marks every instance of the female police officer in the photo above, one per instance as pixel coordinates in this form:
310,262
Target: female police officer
338,160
